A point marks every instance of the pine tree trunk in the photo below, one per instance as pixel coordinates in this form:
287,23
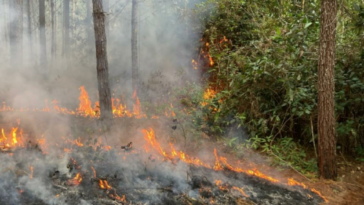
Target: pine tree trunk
326,91
101,59
66,28
42,34
106,10
53,44
134,45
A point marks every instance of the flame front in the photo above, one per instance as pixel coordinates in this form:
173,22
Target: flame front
220,163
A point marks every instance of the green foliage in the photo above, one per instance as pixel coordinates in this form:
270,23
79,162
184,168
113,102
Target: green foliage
360,154
265,74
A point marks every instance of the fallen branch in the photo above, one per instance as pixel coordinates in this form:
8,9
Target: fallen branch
60,187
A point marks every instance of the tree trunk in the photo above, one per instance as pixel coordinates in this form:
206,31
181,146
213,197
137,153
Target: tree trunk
106,10
101,60
29,29
42,34
66,28
134,45
326,91
53,43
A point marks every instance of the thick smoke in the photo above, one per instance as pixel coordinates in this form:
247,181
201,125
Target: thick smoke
165,51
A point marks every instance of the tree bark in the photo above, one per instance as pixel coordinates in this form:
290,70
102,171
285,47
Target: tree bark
42,34
326,91
53,43
106,10
66,28
101,60
134,45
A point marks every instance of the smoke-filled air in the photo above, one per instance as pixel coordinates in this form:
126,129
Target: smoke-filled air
146,102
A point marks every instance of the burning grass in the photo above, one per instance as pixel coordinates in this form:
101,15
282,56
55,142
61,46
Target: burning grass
148,171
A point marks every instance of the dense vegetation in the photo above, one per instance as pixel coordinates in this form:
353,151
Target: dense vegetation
264,74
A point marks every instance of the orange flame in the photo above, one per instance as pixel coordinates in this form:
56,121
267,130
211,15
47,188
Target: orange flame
85,106
77,179
293,182
13,132
104,185
194,64
240,190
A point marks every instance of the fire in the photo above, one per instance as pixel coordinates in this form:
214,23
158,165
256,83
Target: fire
76,180
104,185
224,39
78,142
293,182
220,163
3,134
217,165
13,140
240,190
220,185
253,172
117,197
211,61
13,132
194,64
208,95
85,106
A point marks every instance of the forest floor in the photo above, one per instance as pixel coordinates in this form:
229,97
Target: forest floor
347,190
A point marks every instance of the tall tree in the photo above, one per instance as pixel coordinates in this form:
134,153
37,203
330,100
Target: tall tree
134,45
29,28
42,34
106,9
66,27
326,91
101,60
53,43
